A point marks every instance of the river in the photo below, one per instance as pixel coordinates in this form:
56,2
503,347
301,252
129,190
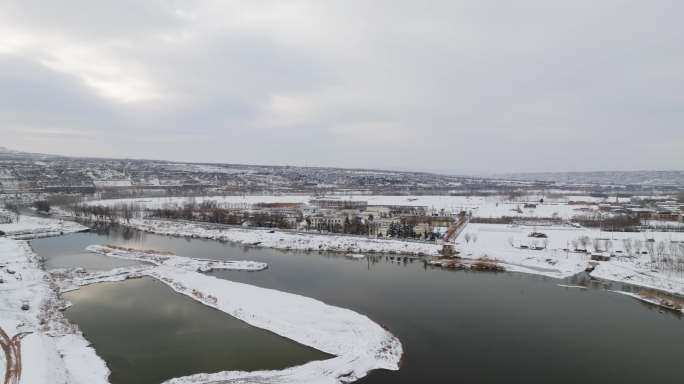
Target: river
454,325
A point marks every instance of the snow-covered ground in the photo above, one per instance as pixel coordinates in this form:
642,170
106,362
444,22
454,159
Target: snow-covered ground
51,351
31,227
494,241
502,242
640,273
171,260
488,207
359,344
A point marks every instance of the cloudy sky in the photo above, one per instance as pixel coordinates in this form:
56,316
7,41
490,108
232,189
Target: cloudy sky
463,86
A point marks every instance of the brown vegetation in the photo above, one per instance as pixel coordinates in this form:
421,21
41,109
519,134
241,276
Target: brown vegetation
663,299
151,251
12,349
486,264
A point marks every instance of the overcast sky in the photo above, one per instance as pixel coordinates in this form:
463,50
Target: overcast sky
463,86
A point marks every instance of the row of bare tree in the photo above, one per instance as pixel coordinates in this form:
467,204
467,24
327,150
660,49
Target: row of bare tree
614,223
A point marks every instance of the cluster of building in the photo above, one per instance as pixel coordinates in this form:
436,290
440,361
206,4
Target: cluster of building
356,217
664,210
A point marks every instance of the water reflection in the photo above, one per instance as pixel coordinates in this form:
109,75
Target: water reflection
147,333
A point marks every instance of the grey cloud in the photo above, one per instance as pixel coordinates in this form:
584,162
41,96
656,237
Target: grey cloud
443,85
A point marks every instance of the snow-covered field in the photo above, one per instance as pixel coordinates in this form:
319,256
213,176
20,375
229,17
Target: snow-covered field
359,344
494,241
488,207
502,242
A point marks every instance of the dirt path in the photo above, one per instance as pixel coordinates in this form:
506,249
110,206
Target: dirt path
12,349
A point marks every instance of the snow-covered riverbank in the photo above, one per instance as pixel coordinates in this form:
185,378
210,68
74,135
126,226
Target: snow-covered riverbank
286,240
32,227
171,260
51,350
514,249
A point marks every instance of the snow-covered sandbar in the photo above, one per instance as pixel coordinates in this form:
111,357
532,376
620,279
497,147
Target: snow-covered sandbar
358,344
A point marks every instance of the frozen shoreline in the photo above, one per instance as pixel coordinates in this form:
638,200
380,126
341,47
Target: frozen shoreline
663,303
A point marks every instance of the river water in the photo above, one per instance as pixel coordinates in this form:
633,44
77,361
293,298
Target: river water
455,326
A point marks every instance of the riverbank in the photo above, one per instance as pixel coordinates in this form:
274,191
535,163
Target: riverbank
33,227
273,238
46,349
497,243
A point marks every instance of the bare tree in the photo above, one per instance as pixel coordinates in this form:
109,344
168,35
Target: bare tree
127,213
584,240
574,244
627,246
650,248
661,247
14,208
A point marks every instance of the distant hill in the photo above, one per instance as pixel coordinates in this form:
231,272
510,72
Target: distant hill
655,178
22,172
